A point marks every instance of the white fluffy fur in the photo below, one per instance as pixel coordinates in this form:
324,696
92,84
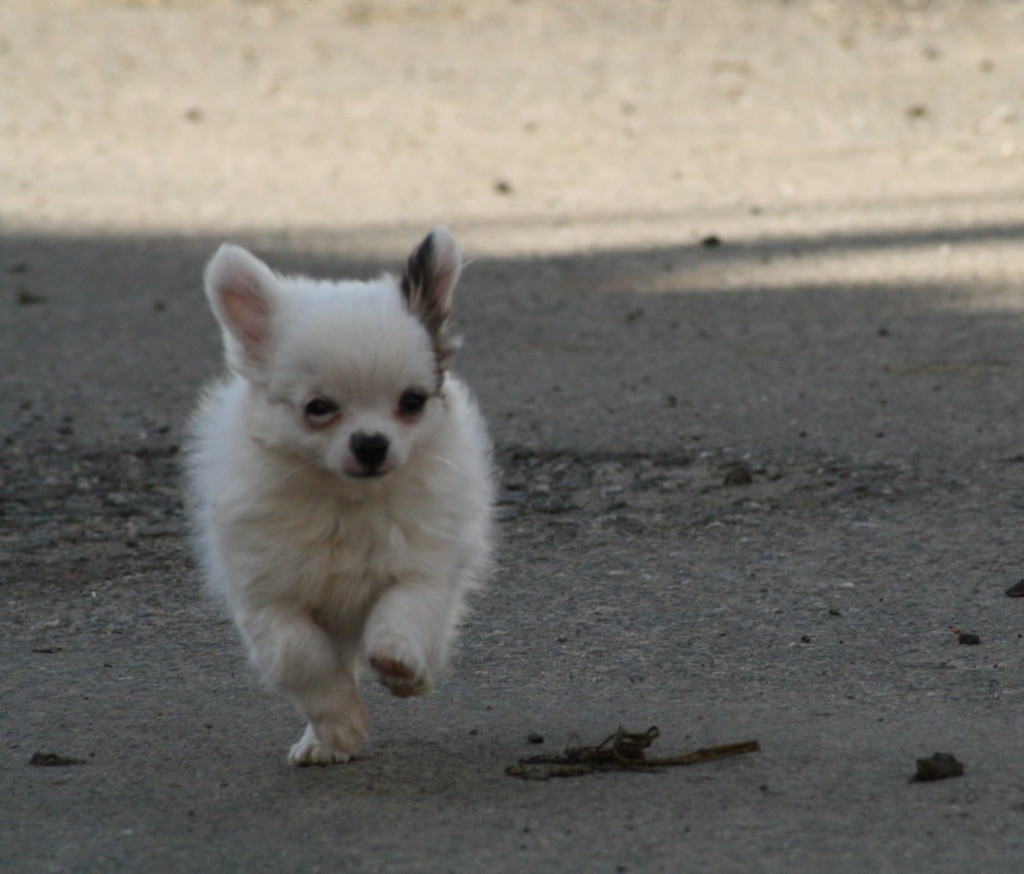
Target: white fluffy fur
325,572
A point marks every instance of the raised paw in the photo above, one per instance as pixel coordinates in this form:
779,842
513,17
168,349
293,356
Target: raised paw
403,676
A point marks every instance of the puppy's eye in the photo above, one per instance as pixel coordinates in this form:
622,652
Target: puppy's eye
412,402
319,411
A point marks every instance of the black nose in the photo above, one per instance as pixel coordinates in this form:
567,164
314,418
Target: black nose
369,450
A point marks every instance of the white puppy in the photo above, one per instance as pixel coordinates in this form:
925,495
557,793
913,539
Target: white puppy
341,482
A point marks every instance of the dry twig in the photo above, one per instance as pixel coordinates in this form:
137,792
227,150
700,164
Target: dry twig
620,751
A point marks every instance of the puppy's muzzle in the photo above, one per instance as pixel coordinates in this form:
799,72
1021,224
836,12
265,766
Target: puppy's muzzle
370,450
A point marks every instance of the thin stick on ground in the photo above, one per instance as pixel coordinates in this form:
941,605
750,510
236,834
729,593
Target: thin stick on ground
620,751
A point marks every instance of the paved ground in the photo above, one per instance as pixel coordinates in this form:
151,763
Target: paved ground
855,340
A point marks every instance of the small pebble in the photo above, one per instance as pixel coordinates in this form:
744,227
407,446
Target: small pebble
534,738
738,475
1016,590
28,298
939,767
53,760
968,639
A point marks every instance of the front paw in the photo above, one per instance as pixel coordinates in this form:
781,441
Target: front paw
329,743
400,669
311,751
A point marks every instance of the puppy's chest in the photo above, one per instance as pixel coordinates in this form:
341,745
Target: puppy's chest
365,547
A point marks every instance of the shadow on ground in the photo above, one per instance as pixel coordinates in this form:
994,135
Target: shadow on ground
110,336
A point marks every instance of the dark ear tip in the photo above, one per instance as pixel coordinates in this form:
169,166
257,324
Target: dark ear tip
425,250
420,257
444,243
438,251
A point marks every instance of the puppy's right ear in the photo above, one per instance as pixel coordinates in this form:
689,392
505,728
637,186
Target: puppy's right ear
245,295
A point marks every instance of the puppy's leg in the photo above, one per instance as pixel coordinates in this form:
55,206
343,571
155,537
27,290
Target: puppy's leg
408,632
335,733
297,656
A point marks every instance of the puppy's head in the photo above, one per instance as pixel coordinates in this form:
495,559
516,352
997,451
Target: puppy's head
346,375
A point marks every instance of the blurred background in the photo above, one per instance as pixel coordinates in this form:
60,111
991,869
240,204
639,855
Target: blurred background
528,125
867,157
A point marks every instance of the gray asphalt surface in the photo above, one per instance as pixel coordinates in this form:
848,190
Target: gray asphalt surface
853,341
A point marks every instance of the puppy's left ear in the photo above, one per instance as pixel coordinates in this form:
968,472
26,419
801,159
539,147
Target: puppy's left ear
430,275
